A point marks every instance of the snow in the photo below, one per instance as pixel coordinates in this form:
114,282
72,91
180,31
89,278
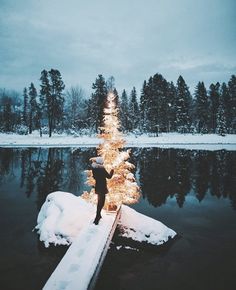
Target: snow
80,262
127,248
63,217
164,140
142,228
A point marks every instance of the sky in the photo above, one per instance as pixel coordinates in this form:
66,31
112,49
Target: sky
128,39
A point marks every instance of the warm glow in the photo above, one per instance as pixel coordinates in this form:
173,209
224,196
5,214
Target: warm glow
122,186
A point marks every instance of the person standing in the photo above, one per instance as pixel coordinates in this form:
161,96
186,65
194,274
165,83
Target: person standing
100,175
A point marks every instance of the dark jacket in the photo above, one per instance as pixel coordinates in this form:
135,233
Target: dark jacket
100,174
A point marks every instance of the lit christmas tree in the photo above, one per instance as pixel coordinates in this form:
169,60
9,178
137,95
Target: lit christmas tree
122,186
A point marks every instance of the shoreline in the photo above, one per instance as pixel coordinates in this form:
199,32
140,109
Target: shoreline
164,140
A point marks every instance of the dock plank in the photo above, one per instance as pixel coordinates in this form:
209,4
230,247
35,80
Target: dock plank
80,266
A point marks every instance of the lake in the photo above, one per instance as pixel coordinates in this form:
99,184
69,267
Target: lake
192,192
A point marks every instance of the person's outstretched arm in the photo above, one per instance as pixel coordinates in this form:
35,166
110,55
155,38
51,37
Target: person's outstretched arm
107,174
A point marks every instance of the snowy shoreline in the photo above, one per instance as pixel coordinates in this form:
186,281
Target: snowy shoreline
164,140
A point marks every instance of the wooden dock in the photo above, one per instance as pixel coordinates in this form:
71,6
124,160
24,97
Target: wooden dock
80,266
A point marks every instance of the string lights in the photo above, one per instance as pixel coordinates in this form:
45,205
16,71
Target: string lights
122,187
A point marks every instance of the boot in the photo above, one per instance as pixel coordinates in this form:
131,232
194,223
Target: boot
97,219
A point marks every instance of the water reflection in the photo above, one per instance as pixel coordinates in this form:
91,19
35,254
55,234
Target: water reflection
174,173
162,173
45,170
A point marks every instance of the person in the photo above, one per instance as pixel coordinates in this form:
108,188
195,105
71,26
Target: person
100,174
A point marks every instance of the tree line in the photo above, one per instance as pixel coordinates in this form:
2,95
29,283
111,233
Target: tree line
161,106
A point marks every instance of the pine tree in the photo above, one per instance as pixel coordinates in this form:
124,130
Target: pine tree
201,108
183,103
143,108
152,108
57,99
51,97
224,95
171,107
124,111
97,103
160,95
214,95
122,187
45,97
25,108
156,104
38,119
232,104
7,114
116,100
221,128
133,110
33,107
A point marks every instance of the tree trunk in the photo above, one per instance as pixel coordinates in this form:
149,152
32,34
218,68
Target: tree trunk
50,127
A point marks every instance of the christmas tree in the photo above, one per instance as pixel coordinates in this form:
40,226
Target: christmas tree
122,186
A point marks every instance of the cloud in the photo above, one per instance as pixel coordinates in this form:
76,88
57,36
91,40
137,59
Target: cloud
131,40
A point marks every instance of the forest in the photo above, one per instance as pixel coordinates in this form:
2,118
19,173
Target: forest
160,106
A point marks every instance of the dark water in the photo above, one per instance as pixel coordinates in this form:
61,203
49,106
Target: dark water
193,192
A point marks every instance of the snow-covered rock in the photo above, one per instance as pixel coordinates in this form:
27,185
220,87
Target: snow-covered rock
63,216
142,228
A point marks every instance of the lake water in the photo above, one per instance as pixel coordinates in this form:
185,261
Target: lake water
192,192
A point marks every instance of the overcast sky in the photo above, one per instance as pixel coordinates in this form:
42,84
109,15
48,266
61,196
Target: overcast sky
129,39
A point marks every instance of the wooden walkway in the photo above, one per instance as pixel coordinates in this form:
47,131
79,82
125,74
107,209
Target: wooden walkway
80,266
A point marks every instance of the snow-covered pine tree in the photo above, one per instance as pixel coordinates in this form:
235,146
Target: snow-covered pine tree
214,95
232,103
221,127
160,93
51,97
38,118
159,105
122,187
133,111
25,107
97,102
201,108
57,98
124,111
156,104
116,100
151,108
143,122
183,103
7,115
224,95
171,108
33,107
45,97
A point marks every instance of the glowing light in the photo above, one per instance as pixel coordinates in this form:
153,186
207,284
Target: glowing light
122,186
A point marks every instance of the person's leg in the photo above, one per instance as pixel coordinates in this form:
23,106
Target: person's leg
100,204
